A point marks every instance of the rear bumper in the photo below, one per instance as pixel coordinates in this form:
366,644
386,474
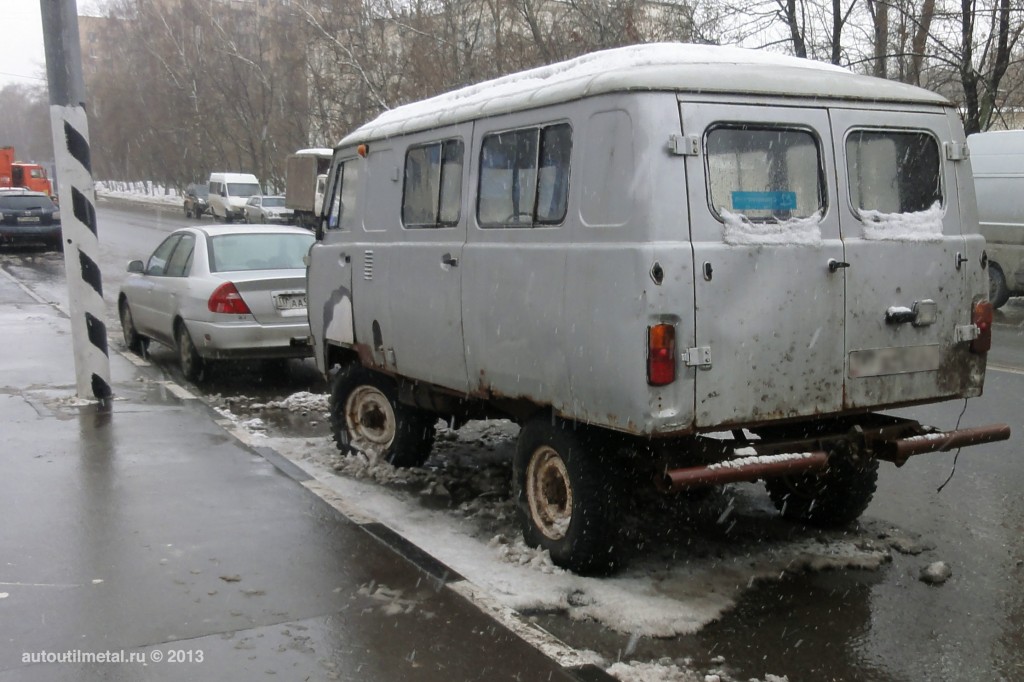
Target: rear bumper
250,340
30,234
767,459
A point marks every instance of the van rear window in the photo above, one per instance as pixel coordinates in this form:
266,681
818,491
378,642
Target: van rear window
764,173
524,177
893,171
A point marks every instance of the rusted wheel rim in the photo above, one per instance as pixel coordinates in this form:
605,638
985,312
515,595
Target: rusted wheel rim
369,417
549,493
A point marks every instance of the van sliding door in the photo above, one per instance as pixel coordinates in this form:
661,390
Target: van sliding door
764,228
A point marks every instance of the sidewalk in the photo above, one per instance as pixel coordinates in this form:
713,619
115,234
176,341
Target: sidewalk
149,529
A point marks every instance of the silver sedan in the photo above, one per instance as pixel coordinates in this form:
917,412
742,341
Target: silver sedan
261,209
220,292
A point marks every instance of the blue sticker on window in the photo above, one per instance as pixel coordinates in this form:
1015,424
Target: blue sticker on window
764,201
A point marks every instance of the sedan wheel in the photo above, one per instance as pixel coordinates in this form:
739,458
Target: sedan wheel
132,340
192,365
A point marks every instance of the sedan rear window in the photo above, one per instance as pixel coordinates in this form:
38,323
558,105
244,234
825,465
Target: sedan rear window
22,202
265,251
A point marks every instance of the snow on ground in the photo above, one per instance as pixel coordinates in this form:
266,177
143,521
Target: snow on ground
697,557
139,192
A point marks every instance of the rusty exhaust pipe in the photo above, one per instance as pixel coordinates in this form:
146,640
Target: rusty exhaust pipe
899,451
743,469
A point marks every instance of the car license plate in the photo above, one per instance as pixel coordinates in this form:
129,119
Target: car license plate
289,301
29,219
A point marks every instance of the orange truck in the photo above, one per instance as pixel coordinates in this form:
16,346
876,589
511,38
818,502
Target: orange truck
31,176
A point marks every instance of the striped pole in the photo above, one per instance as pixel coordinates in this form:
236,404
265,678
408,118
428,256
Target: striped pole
70,129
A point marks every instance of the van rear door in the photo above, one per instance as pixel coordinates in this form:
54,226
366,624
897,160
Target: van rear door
906,287
764,226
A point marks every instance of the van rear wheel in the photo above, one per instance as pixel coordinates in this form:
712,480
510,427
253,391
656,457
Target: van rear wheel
367,417
832,499
998,291
565,500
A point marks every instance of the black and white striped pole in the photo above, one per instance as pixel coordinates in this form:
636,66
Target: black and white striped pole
77,198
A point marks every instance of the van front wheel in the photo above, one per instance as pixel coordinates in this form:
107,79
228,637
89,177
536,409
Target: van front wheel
367,417
565,499
998,292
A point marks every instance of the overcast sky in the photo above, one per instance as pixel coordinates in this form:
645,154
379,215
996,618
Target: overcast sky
21,43
22,59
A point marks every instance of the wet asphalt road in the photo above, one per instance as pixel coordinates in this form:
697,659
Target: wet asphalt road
147,530
845,625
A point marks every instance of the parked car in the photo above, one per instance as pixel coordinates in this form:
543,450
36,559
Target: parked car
28,217
260,209
196,203
775,248
220,293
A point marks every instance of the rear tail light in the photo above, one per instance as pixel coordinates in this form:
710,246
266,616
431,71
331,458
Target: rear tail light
226,299
661,354
981,317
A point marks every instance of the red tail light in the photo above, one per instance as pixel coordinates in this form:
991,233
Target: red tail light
981,317
226,299
661,354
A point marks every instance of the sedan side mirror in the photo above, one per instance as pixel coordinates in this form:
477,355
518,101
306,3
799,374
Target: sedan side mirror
136,266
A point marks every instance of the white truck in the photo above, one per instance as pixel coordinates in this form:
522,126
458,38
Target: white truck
997,159
305,179
637,248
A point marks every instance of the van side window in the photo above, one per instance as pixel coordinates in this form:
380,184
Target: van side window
893,171
763,173
341,213
432,196
524,177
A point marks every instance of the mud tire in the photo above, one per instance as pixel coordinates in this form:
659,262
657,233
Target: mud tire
364,408
833,498
566,500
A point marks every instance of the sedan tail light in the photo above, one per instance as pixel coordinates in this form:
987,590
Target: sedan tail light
226,299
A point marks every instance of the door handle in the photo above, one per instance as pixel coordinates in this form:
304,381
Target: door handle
834,264
449,260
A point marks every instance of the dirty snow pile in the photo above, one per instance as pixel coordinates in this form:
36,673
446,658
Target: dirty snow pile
922,226
739,230
691,558
459,508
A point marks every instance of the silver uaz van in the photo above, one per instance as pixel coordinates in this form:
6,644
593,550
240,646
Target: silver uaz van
634,249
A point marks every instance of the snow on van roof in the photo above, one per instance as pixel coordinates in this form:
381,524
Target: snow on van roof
650,67
315,151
